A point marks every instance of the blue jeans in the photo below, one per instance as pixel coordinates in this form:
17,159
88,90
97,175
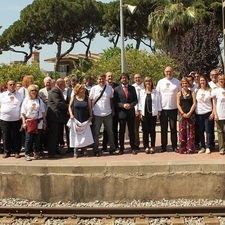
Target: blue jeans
205,126
32,139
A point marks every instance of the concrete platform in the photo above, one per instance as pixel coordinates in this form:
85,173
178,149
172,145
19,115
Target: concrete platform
121,177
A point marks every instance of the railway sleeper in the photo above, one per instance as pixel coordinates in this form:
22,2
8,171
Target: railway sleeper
211,220
38,221
108,221
141,221
6,220
71,221
177,220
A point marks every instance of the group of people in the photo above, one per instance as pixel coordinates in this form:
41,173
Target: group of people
78,111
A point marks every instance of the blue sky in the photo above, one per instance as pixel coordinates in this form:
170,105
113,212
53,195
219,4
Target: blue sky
10,12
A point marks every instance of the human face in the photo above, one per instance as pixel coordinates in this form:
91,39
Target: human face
221,82
168,73
190,80
67,82
33,93
137,79
48,84
214,77
11,86
18,86
202,82
148,84
101,80
109,77
185,85
31,81
124,80
196,78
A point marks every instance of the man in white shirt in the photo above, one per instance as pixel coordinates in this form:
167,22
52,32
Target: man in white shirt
10,103
101,105
168,87
214,79
138,87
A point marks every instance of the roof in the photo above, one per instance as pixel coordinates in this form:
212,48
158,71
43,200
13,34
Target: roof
93,56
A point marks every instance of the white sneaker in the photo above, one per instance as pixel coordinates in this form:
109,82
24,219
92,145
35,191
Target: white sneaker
208,151
202,150
27,157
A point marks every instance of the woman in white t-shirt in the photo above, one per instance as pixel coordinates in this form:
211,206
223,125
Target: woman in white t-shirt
33,108
218,95
204,115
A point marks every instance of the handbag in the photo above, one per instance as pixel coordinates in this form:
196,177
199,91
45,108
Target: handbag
32,126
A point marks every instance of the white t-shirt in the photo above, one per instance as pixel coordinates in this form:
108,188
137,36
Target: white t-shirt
168,90
24,92
103,106
33,109
219,93
212,85
138,88
204,101
10,104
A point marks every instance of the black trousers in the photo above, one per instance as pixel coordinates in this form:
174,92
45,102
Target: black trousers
171,117
122,128
53,133
148,126
11,136
115,133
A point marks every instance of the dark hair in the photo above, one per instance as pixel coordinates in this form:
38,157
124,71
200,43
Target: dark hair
124,75
206,80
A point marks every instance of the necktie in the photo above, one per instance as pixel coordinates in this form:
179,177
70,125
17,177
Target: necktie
125,91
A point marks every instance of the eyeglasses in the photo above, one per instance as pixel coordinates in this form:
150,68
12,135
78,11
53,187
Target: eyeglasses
12,84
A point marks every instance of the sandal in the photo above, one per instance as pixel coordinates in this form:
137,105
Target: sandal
85,154
147,151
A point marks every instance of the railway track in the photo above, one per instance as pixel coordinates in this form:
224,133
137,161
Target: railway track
108,215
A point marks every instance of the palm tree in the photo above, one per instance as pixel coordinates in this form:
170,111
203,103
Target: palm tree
167,23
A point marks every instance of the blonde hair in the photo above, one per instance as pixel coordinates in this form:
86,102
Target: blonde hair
148,79
77,88
222,76
33,87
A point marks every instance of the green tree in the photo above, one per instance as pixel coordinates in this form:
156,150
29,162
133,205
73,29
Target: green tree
137,61
200,51
17,36
62,21
16,72
169,22
135,25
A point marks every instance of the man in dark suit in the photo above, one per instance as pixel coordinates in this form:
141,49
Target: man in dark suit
57,116
125,98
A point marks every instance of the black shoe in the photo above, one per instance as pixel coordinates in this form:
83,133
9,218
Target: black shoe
163,149
97,154
69,150
175,150
104,149
121,152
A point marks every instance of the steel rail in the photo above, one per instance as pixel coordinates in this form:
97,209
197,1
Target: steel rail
111,212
